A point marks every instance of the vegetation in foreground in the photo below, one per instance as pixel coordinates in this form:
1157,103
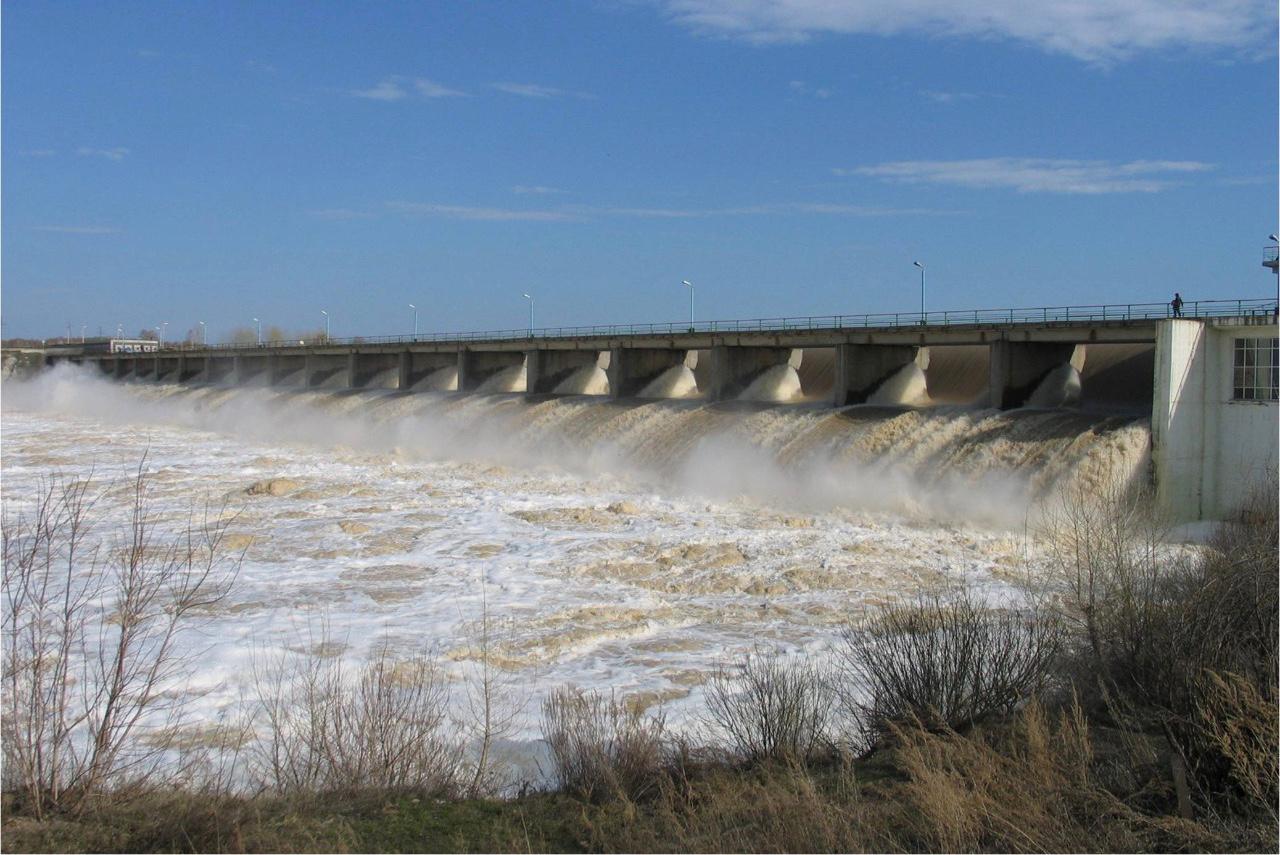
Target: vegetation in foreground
1133,709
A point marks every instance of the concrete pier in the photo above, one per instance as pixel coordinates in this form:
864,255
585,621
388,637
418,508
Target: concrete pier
376,370
191,369
251,369
861,369
144,368
289,370
633,369
219,369
329,371
733,369
547,369
432,371
477,366
1018,367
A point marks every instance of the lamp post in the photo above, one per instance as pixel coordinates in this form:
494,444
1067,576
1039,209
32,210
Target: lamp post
921,266
689,284
326,324
259,325
119,330
415,320
160,333
529,297
204,333
1276,240
82,328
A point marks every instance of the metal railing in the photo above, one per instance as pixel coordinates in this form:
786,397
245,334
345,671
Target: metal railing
1117,312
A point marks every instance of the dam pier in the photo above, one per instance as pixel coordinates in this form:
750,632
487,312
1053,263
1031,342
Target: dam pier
1207,380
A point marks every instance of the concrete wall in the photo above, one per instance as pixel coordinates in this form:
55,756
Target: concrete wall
1210,452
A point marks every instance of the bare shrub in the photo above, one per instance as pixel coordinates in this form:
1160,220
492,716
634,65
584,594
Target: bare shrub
944,663
602,748
91,663
1176,644
1114,571
492,705
329,729
771,706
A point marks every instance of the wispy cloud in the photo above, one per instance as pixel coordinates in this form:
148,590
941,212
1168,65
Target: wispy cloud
117,153
339,214
799,87
1036,175
582,213
537,90
537,190
77,230
1097,31
467,212
947,97
397,88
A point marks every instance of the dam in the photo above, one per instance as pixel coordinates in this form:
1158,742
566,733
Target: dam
1207,381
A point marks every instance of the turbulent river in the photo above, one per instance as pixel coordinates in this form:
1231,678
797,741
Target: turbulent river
628,547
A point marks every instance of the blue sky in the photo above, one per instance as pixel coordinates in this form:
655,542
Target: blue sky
176,162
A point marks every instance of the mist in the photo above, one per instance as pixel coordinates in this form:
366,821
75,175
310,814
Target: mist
940,464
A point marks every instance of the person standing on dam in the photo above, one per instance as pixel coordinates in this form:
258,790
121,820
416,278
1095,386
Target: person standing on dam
1176,304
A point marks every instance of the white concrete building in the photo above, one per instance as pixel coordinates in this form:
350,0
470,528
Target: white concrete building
1214,419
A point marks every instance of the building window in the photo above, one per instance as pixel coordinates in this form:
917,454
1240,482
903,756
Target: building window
1257,369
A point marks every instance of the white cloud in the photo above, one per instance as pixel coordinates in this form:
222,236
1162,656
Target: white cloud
339,214
387,90
801,88
467,212
108,153
528,90
1036,175
431,89
582,213
1098,31
78,230
397,88
537,90
946,97
537,190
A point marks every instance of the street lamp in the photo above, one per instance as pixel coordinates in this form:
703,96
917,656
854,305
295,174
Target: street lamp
415,319
82,328
921,266
160,333
259,324
529,297
1276,240
690,286
204,333
119,330
326,324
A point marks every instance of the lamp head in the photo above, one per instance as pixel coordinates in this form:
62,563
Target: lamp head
686,282
1273,237
917,264
528,297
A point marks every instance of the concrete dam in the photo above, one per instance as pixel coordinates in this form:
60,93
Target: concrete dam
1212,428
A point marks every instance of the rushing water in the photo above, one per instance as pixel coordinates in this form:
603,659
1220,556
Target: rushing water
625,547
